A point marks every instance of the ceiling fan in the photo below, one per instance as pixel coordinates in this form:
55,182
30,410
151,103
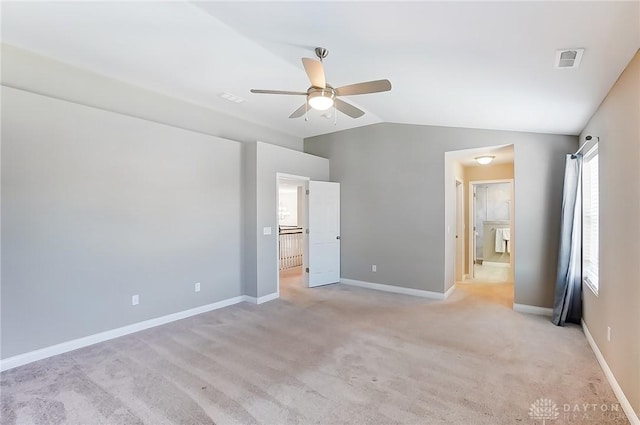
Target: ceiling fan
322,96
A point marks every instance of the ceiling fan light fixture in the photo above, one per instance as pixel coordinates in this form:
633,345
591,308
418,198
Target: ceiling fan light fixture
321,96
321,99
485,159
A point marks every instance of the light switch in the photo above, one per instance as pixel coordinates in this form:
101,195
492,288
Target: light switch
266,230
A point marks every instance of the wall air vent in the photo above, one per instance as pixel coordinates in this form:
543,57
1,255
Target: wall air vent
568,58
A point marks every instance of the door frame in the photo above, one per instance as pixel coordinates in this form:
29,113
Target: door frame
304,220
472,217
458,271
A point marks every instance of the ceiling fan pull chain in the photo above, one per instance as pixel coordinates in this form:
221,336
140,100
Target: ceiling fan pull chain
335,114
306,111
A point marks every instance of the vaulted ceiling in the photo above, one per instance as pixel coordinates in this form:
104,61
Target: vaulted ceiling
479,64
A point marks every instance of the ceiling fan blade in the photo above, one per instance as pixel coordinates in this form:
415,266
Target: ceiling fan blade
348,109
315,72
376,86
299,112
277,92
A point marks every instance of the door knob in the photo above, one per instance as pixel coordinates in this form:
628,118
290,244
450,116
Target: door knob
337,237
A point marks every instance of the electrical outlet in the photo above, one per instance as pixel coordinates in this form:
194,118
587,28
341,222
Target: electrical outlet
374,268
609,333
198,287
135,300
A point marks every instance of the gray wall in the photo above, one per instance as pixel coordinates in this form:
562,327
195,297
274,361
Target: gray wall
250,228
107,192
271,160
393,194
98,206
617,124
28,71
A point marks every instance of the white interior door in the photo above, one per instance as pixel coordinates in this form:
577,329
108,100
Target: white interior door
324,233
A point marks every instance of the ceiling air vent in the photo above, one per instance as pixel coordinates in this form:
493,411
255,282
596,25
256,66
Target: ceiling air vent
232,98
568,58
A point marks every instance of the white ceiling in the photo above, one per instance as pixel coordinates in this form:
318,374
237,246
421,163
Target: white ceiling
479,64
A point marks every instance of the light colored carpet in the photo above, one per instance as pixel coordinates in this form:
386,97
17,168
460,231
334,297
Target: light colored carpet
330,355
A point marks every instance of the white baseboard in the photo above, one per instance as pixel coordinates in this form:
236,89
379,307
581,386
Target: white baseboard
260,300
32,356
624,402
496,264
533,309
395,289
450,291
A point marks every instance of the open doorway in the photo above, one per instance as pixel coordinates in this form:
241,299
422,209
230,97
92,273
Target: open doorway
482,255
490,237
292,224
308,243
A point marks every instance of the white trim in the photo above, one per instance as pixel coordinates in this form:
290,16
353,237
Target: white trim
450,291
624,402
587,282
533,309
593,151
260,300
589,279
395,289
458,259
496,264
291,176
43,353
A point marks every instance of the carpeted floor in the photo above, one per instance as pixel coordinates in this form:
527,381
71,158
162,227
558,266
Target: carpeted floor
331,355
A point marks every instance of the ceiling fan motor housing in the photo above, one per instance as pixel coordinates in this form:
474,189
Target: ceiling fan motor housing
321,52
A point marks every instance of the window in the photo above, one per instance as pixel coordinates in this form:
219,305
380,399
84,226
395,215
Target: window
590,219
